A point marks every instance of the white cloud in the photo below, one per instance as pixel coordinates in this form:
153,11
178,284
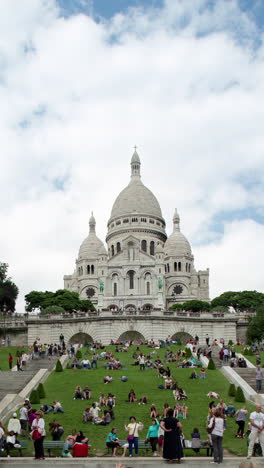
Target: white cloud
76,96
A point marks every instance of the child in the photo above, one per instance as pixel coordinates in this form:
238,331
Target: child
203,373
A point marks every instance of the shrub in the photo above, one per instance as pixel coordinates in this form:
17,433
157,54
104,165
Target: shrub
232,390
79,354
34,397
230,343
188,352
211,364
58,366
240,397
53,310
41,391
179,342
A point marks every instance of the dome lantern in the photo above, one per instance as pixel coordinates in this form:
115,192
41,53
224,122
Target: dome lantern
135,164
92,223
176,221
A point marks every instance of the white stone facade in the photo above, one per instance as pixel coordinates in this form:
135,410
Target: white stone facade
141,269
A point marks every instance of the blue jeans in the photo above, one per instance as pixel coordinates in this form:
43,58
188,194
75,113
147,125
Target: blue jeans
258,386
135,443
218,449
58,410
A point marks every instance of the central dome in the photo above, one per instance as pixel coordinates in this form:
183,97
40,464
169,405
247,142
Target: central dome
136,198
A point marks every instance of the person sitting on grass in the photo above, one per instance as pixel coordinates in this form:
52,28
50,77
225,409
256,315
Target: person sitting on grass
194,375
87,393
106,419
94,412
87,415
112,441
182,395
75,364
168,383
166,407
102,400
203,373
57,408
132,396
143,400
107,379
78,393
86,364
111,400
184,411
153,412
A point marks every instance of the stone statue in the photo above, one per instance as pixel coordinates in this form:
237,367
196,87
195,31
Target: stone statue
101,286
160,283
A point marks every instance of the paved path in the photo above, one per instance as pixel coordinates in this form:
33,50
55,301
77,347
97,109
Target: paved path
139,462
14,382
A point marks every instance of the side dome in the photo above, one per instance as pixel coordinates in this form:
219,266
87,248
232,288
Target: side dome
136,198
92,245
177,244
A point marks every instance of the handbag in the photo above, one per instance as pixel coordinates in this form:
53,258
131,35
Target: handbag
210,429
131,436
35,435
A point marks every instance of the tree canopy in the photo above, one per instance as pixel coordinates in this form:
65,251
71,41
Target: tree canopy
240,300
8,290
194,306
65,300
255,331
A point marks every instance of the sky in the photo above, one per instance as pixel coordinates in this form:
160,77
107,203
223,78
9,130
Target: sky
82,82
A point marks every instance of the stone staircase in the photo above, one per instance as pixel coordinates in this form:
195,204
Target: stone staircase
248,374
14,382
215,357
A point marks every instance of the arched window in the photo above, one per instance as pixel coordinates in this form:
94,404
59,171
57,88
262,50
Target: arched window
92,269
186,267
88,269
131,275
81,270
115,289
168,268
189,267
112,250
179,266
118,247
148,288
152,248
175,266
144,245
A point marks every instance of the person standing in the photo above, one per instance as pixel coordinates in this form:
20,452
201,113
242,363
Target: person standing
152,435
38,434
10,361
172,446
216,423
23,419
141,361
132,428
259,377
207,339
257,430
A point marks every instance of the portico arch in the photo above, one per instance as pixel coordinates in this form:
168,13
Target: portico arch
182,336
81,338
131,335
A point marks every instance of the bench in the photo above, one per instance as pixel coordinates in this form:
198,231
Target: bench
204,446
141,445
53,445
24,445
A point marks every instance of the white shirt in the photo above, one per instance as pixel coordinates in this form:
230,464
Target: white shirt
40,426
258,419
95,411
219,426
11,439
23,413
14,425
1,433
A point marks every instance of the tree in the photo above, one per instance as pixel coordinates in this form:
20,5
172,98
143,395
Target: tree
58,367
211,365
194,306
41,391
8,291
232,390
240,397
67,300
52,310
176,307
240,300
255,331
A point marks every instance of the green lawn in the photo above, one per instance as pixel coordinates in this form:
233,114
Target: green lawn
240,349
61,386
4,353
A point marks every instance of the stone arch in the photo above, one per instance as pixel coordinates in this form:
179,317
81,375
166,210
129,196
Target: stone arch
131,335
113,307
81,338
147,307
183,336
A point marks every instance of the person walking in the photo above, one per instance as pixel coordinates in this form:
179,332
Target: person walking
216,424
259,377
241,415
132,428
38,434
152,435
172,446
257,430
141,361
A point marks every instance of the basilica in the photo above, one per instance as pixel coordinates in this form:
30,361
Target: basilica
142,268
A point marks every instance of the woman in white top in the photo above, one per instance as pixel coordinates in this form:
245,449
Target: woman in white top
132,428
217,423
38,428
